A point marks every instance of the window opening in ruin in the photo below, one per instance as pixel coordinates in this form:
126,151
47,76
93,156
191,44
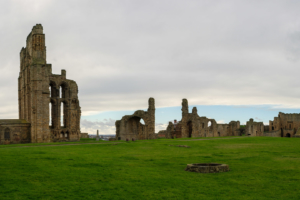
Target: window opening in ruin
52,90
209,124
281,132
272,128
190,128
288,135
7,134
290,126
142,121
219,134
63,90
67,134
202,125
62,134
60,92
252,129
62,114
50,114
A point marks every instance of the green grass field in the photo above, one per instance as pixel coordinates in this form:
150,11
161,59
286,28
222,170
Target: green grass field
261,168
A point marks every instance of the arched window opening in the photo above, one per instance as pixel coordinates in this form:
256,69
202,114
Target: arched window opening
67,134
190,128
60,92
62,114
52,89
288,135
290,126
209,124
50,114
7,134
272,128
62,134
142,121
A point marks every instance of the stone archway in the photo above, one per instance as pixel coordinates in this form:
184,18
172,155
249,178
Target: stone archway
288,135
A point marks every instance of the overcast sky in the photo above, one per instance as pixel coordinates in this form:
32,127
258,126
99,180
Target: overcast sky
121,52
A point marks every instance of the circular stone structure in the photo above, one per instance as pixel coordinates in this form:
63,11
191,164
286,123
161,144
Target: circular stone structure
207,167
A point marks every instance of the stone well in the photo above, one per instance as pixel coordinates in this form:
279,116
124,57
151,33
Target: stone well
207,167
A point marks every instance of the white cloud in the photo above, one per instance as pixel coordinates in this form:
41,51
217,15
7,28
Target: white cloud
105,127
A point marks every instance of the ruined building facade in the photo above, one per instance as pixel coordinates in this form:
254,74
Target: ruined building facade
45,99
285,125
130,127
192,125
254,128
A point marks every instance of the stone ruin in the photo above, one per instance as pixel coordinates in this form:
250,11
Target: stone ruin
43,97
285,125
192,125
207,168
254,128
130,127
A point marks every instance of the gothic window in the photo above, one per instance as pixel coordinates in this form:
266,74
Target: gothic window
63,115
67,134
7,134
50,114
209,124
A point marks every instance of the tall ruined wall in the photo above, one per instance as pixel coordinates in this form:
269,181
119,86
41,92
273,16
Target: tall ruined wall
35,84
151,118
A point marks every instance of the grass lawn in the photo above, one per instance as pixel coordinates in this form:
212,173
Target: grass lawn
260,168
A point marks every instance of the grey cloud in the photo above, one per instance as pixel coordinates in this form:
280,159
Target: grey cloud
123,52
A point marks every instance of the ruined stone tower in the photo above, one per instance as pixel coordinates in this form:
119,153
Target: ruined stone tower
46,99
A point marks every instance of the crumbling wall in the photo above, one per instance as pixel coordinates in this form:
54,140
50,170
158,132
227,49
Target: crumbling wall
14,131
254,128
272,133
192,125
286,123
129,127
84,135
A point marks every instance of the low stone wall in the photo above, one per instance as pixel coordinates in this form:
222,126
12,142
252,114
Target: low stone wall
272,134
84,135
